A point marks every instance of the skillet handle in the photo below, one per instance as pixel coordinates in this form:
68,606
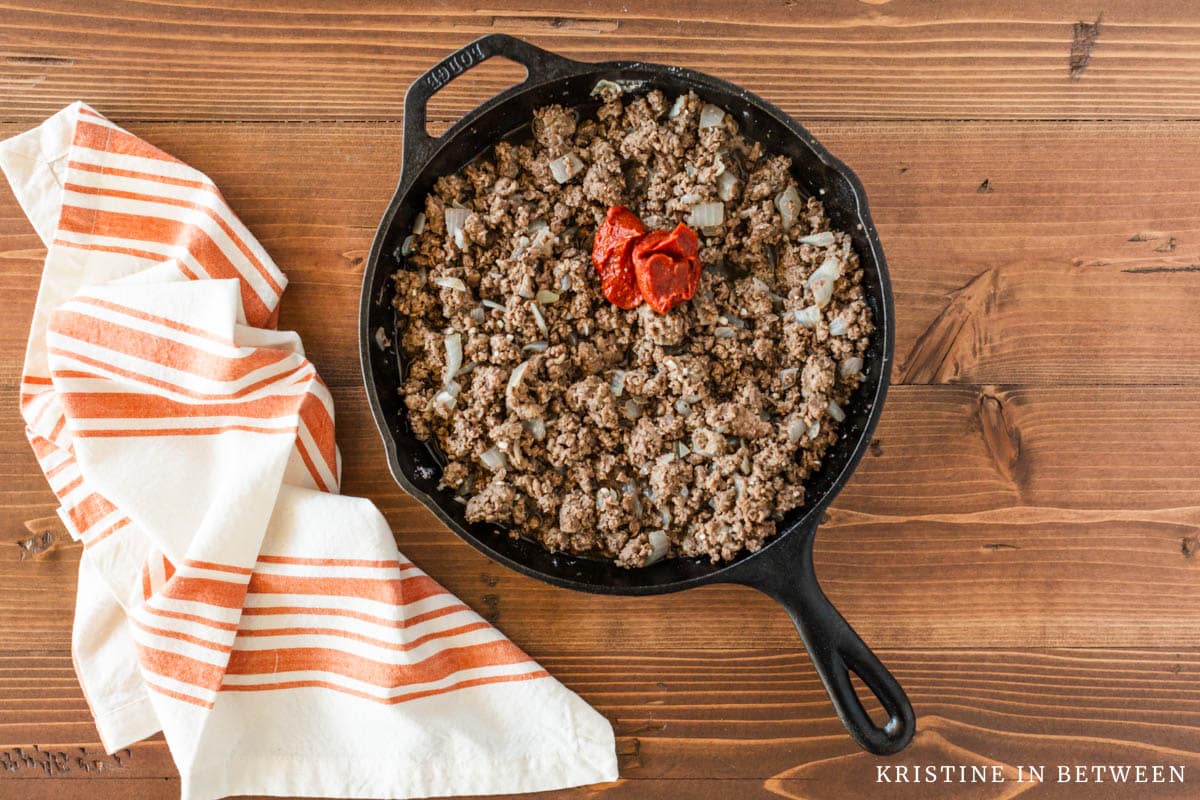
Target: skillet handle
836,650
541,66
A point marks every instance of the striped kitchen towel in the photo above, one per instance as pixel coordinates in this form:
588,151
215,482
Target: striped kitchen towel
228,596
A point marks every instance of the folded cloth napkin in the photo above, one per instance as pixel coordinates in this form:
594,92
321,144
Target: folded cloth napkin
227,595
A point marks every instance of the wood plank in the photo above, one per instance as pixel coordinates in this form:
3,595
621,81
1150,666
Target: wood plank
752,719
845,59
1014,526
1079,266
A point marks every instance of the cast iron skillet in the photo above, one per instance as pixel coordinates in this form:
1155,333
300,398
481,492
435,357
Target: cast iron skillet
783,568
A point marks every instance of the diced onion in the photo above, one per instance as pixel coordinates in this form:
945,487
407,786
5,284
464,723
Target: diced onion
493,304
493,459
795,430
454,356
820,283
478,314
788,374
822,239
837,327
659,543
406,246
632,410
707,215
514,378
814,430
542,242
726,186
606,85
851,366
682,407
565,167
725,332
682,450
447,398
565,283
617,382
678,106
456,218
539,319
788,203
836,412
536,347
381,339
419,224
547,297
537,427
711,116
450,283
805,317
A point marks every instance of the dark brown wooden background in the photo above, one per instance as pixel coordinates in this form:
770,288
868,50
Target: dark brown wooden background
1020,544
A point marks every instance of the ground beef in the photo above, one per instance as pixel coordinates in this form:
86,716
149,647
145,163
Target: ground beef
605,432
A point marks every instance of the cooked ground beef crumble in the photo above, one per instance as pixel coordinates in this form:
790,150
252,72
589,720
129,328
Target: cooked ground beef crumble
628,434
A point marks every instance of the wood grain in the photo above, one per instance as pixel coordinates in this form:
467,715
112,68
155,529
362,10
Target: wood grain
1020,542
933,541
232,59
753,719
1079,267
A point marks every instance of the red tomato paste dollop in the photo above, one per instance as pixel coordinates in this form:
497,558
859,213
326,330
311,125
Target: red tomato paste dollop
660,267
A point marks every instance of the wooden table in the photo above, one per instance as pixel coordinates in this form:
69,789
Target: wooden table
1020,543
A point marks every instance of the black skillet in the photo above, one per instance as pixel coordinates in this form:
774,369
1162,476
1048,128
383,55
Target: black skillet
783,568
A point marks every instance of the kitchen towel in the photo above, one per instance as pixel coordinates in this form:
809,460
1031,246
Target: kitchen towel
228,596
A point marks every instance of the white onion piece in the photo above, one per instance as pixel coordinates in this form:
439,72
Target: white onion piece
406,247
478,314
539,319
659,543
851,366
666,518
820,283
707,215
542,242
536,347
726,186
788,374
419,224
450,283
711,116
514,378
381,339
788,203
724,332
837,327
447,398
537,427
682,450
565,167
493,459
805,317
682,407
455,219
547,297
565,283
814,430
822,239
454,356
795,430
493,304
632,410
617,382
606,85
836,411
678,106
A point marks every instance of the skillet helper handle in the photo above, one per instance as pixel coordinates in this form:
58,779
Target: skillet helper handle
837,651
540,65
